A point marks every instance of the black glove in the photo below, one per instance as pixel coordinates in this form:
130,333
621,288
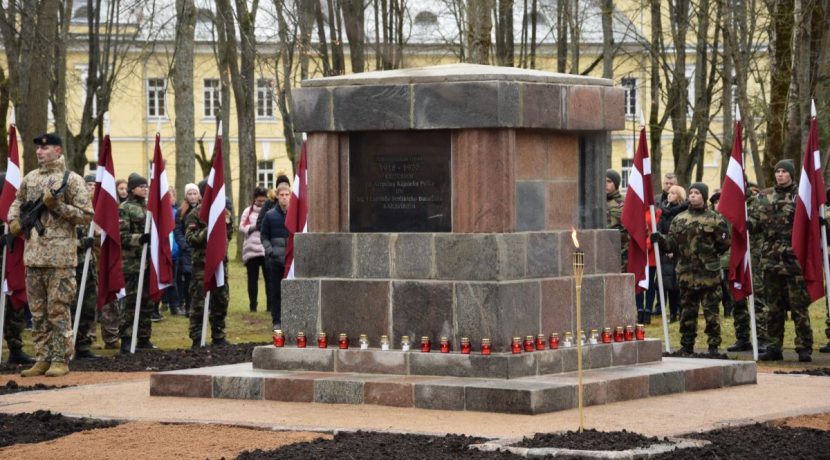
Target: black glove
656,237
86,242
822,221
7,240
749,227
144,238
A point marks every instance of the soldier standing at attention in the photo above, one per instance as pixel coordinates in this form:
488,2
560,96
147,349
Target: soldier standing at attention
86,326
57,199
132,215
771,217
613,215
698,237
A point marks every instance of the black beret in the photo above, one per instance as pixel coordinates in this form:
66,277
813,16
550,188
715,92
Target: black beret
135,180
48,139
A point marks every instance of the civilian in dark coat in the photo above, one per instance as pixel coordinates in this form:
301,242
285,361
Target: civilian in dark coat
274,236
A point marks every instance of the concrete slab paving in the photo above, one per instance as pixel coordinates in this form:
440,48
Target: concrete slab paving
775,396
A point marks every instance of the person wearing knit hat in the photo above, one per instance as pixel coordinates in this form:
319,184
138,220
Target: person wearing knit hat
771,216
282,178
697,237
191,187
613,212
135,180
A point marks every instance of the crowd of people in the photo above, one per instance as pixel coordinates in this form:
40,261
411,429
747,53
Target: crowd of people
54,260
694,242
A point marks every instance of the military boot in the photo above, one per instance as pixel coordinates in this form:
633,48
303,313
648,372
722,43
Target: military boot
771,355
145,344
57,369
713,350
688,349
219,343
17,356
85,354
39,368
805,356
825,349
740,345
646,317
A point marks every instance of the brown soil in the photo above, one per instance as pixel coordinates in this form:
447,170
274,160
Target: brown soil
590,440
13,387
156,440
818,421
75,378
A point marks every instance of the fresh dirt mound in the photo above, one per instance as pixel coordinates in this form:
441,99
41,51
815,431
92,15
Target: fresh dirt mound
365,445
161,360
590,440
820,371
758,441
42,426
682,354
12,387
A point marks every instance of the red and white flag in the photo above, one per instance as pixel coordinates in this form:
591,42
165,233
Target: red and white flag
161,224
105,203
296,219
212,213
806,227
732,207
14,279
637,202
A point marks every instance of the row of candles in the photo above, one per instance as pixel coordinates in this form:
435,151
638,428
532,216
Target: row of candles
529,344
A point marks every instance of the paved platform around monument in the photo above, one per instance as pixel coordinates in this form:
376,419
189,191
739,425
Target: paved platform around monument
774,397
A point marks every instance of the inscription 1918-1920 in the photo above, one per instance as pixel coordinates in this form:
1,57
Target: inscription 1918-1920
399,181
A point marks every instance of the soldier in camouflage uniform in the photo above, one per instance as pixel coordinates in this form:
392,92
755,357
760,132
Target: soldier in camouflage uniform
698,237
614,212
132,217
826,348
771,217
50,258
196,237
86,325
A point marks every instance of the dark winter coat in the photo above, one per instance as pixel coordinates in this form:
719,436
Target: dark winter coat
274,235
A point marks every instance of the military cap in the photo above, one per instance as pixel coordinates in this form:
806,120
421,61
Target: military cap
614,176
48,139
135,180
89,177
702,188
786,165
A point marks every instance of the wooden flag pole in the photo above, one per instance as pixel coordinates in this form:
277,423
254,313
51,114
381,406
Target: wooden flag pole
205,319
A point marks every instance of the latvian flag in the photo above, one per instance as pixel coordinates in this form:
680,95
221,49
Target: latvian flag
14,279
296,219
637,202
161,217
733,208
212,213
105,203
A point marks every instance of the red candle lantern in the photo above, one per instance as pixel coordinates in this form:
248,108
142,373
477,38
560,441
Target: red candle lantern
606,335
343,341
618,334
629,333
485,346
554,341
516,345
279,338
466,348
425,346
540,342
301,340
529,344
640,332
445,345
322,340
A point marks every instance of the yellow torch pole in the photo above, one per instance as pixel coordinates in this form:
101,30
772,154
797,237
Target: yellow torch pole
579,268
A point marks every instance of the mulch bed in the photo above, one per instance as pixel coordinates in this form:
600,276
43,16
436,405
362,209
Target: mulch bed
681,354
158,360
364,445
42,426
12,387
819,371
589,440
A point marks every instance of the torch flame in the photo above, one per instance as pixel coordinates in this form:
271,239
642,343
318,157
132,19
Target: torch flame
573,237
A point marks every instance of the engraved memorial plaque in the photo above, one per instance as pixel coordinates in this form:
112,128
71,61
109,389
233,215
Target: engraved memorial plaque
399,181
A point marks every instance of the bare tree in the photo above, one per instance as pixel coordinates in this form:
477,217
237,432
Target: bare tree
504,33
284,69
353,19
479,28
781,33
607,38
182,73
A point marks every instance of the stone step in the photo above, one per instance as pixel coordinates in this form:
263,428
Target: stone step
527,395
475,365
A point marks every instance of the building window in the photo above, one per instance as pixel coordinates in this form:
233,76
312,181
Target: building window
264,98
213,98
93,167
625,172
156,100
265,173
630,86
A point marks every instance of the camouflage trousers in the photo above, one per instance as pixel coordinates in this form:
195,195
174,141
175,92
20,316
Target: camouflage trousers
742,321
110,319
145,326
217,310
13,326
783,291
51,291
86,326
690,299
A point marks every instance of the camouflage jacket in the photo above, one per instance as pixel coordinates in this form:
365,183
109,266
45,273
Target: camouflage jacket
81,231
56,248
132,214
698,237
195,233
772,213
613,218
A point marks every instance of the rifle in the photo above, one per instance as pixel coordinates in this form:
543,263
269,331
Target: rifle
31,212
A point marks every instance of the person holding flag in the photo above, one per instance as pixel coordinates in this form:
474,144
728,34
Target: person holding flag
50,202
698,237
86,324
771,216
614,212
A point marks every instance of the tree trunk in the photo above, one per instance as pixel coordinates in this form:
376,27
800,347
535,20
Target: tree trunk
534,11
285,62
353,18
575,30
479,27
183,89
655,127
504,33
781,34
607,38
678,99
562,35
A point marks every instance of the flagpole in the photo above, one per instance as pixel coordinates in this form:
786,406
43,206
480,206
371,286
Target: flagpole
205,318
3,294
659,269
82,287
751,307
140,289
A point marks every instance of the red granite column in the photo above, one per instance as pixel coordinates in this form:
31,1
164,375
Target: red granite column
326,177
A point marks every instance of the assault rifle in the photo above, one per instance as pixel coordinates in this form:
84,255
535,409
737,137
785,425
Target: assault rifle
31,212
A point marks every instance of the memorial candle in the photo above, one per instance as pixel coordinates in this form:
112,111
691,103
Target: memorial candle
466,348
528,344
279,338
540,342
343,341
301,340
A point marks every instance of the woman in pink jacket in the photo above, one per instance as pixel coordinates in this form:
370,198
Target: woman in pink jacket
253,255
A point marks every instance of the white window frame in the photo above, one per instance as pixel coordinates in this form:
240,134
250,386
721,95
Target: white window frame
626,165
265,173
156,99
212,97
631,102
265,99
